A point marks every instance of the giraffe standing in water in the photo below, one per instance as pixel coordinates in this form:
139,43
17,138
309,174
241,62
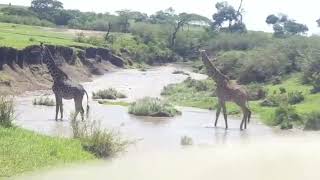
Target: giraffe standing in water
63,87
227,91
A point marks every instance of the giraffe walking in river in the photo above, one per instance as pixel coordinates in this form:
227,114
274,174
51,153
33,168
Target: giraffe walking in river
227,91
63,87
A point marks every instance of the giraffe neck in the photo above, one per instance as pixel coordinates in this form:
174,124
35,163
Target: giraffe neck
214,72
56,73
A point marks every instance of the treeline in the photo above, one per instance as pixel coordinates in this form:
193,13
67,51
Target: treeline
167,36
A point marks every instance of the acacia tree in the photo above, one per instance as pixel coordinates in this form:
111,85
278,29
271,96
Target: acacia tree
227,14
283,26
176,21
126,15
46,9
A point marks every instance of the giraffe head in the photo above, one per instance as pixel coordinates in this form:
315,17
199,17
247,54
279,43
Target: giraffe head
212,71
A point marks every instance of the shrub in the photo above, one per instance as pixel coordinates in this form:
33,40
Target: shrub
256,92
101,142
27,20
186,141
108,94
199,85
31,39
312,121
286,115
154,107
7,114
295,97
43,101
180,72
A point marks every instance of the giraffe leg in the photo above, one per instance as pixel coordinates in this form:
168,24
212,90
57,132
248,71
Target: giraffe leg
61,110
57,106
78,107
224,110
217,115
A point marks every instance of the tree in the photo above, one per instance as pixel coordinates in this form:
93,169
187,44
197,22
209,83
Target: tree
176,21
283,26
46,9
63,17
227,14
179,21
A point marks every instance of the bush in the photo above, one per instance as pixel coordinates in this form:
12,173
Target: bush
108,94
285,116
295,97
312,121
101,142
7,114
180,72
43,101
199,85
26,20
256,92
154,107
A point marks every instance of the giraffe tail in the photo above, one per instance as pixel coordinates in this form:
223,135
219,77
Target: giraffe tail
88,107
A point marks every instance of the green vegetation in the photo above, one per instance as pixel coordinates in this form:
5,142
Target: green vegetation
108,94
22,151
180,72
43,101
312,121
7,113
154,107
114,103
287,109
101,142
18,36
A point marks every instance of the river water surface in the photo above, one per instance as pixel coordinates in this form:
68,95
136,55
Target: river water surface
158,153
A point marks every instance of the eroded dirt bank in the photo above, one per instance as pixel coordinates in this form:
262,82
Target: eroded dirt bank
22,70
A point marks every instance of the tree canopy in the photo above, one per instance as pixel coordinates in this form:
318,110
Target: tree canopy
283,26
227,14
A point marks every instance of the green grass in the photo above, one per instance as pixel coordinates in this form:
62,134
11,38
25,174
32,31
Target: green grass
154,107
18,36
22,151
114,103
110,93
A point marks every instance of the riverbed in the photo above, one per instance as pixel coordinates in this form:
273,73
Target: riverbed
158,139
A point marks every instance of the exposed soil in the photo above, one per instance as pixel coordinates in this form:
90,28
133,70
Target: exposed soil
22,70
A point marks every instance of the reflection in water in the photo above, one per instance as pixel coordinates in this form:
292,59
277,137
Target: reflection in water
159,155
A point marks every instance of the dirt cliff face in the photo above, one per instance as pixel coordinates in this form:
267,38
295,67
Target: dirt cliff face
22,70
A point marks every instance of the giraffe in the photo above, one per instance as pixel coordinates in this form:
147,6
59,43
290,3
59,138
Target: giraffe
227,91
63,87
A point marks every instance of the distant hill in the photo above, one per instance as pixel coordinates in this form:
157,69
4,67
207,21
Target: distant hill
7,5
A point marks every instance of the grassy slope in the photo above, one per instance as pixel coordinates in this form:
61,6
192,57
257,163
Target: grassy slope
184,96
18,36
22,150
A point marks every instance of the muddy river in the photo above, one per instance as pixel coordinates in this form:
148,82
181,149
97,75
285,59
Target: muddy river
158,153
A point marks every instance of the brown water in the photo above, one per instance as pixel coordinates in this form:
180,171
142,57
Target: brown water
158,153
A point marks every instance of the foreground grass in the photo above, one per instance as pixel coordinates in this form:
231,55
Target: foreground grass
21,36
22,151
185,95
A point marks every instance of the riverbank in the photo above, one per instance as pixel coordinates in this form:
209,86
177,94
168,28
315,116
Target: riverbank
23,151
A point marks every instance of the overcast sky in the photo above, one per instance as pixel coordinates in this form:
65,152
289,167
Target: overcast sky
256,11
